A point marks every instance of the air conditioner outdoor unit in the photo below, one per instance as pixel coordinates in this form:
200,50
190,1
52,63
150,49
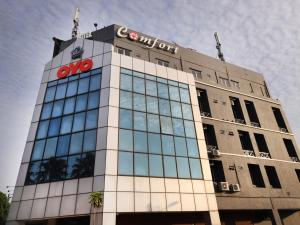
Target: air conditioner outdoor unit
283,129
216,153
235,187
223,186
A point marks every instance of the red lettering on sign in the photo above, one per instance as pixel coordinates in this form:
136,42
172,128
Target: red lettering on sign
82,66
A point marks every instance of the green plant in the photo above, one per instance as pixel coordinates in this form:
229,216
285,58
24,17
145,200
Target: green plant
96,199
4,206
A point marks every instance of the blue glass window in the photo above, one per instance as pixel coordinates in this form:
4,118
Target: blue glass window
69,106
125,118
83,85
72,88
125,99
139,121
196,171
42,130
139,102
174,93
187,112
89,143
167,145
154,143
164,107
66,124
126,82
166,125
152,105
91,119
50,93
95,82
189,128
50,148
180,146
38,150
60,91
138,85
178,127
156,166
140,164
54,126
125,140
176,109
151,88
78,123
183,167
162,90
46,112
192,147
57,108
81,103
73,168
76,143
33,173
93,101
140,142
170,166
153,123
184,95
125,163
63,145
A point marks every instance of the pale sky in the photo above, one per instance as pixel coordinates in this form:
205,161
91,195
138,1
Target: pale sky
262,35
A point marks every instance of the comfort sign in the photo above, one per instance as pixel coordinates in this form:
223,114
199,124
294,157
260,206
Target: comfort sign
74,68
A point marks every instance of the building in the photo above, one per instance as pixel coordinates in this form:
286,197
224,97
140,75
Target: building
169,135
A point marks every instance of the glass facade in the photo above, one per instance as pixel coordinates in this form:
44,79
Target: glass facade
156,128
65,142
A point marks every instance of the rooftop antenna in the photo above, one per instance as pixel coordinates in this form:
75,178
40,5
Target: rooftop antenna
95,25
218,47
76,23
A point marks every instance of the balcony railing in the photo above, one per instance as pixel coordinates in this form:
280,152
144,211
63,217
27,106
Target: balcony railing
265,155
283,129
249,153
239,121
206,114
255,124
211,148
295,159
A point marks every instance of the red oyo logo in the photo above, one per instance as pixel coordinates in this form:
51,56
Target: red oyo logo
83,66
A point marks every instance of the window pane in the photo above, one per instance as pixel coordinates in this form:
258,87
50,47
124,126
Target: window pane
87,161
184,95
72,88
125,118
54,127
93,101
174,93
81,103
57,108
95,82
86,74
50,148
168,145
189,129
57,168
126,82
180,146
78,123
152,105
60,91
66,124
140,142
154,143
73,168
166,125
83,85
44,175
162,90
91,119
125,100
69,105
176,109
151,88
125,140
192,147
139,121
126,71
153,123
155,164
125,163
63,145
164,107
187,112
49,96
170,166
46,113
139,102
33,173
89,143
196,171
139,85
42,130
38,150
140,164
183,167
178,127
76,143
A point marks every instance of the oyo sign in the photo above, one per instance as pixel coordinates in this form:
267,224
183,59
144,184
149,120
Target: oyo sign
133,36
73,68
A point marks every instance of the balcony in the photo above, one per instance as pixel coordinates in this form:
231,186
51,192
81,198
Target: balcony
249,153
265,155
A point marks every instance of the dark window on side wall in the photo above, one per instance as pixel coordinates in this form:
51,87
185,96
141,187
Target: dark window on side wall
210,137
279,119
252,113
298,174
272,176
237,110
203,102
256,176
124,51
291,149
217,171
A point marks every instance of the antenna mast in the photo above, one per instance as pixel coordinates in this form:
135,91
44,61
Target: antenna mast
218,47
76,23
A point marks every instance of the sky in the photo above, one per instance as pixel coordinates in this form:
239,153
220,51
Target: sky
262,35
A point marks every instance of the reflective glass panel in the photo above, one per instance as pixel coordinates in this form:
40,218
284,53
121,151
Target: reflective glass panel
168,145
38,150
162,90
154,143
153,123
140,141
72,88
164,107
138,85
95,82
50,93
93,101
54,126
83,85
125,100
180,146
63,145
66,124
50,148
69,105
151,88
152,105
196,171
43,129
166,125
125,140
125,163
139,121
126,82
183,167
174,93
60,91
156,166
140,164
78,123
91,119
46,112
192,147
139,102
76,143
89,143
170,166
81,103
125,118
